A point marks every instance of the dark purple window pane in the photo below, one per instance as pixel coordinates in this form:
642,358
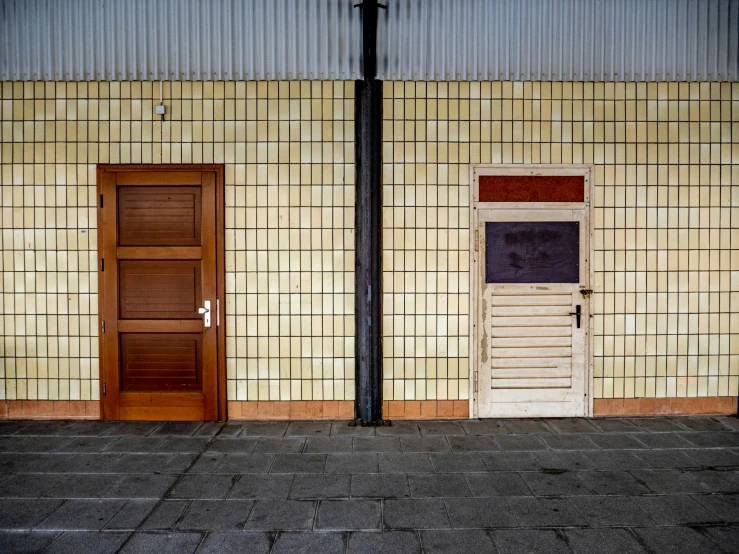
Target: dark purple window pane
532,252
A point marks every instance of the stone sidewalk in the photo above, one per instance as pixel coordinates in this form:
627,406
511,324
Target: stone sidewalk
507,486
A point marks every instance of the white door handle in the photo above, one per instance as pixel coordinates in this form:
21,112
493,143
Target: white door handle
206,312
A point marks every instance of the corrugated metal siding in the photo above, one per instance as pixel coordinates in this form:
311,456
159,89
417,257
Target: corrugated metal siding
595,40
610,40
179,39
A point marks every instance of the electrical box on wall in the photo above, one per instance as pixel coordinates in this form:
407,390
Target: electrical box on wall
160,109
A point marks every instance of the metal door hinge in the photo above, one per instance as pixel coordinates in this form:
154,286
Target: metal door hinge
105,389
477,239
218,312
102,264
103,326
101,200
474,384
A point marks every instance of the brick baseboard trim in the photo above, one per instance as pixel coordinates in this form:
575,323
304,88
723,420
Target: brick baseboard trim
49,409
291,410
426,409
603,407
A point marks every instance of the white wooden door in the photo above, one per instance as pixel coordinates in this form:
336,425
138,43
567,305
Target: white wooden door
533,321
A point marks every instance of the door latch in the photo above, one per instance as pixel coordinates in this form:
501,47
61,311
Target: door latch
206,312
578,314
586,292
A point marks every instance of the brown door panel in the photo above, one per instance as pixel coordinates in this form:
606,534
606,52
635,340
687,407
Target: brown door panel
161,229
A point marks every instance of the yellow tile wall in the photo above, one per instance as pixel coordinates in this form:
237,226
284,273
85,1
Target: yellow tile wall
666,159
289,157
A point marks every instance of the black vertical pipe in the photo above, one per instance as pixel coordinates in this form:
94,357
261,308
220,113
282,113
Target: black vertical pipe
368,226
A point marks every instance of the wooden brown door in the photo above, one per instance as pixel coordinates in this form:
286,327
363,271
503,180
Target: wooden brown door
159,292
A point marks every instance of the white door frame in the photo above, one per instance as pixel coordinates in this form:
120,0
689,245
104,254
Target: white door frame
586,171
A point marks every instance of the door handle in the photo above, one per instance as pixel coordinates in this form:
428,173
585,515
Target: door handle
206,312
578,314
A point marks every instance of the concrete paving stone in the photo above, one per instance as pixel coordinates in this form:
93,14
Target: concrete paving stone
724,506
484,427
569,442
138,463
177,428
663,440
617,460
299,463
85,428
616,441
473,444
572,425
25,543
365,462
88,542
398,428
603,541
281,445
42,444
245,463
279,515
675,510
11,444
252,542
380,486
80,445
146,543
183,444
389,542
610,511
404,463
657,424
701,424
667,459
527,426
438,485
344,429
457,462
54,485
480,513
614,425
328,444
25,514
320,486
730,422
263,486
716,481
714,457
131,515
180,463
442,428
424,444
165,515
308,429
203,486
413,513
510,461
457,542
670,481
675,540
30,463
348,515
310,543
82,515
726,538
724,439
209,429
264,428
231,429
555,484
530,541
208,462
216,515
377,444
142,485
11,427
138,429
613,482
520,443
87,463
544,512
135,444
233,446
497,484
568,460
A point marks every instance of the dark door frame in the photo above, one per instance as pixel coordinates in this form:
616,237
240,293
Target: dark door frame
218,169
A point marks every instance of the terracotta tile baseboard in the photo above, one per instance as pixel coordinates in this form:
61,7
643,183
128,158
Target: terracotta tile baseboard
291,410
603,407
426,409
49,409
